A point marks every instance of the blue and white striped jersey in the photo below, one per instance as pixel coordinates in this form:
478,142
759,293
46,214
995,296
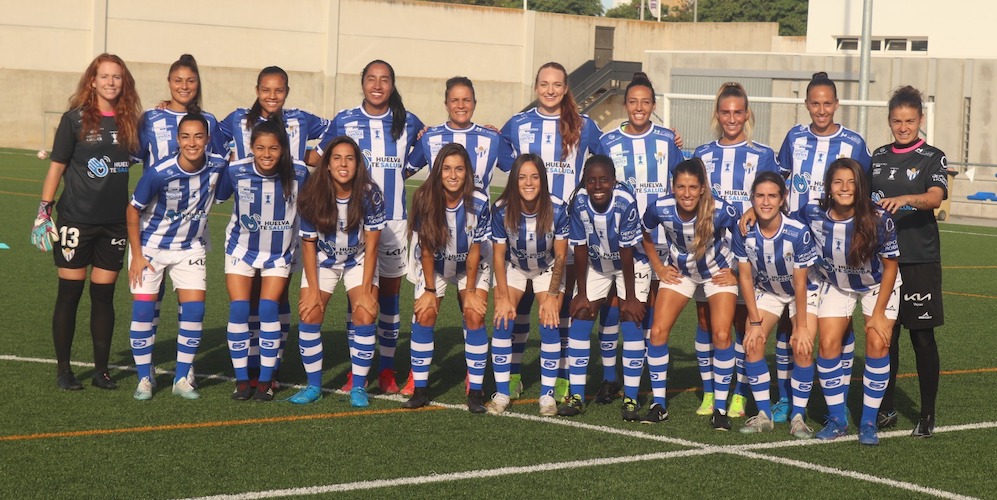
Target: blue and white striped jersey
834,239
157,134
773,259
301,127
482,146
345,249
385,157
645,164
263,230
532,132
804,158
174,204
732,169
681,235
528,250
466,228
605,233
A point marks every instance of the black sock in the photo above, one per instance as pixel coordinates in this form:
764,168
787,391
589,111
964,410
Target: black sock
926,352
889,399
64,320
101,323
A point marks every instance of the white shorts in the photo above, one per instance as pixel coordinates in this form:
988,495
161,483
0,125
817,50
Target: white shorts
482,282
186,267
518,278
689,286
327,278
837,303
234,265
598,284
775,304
392,249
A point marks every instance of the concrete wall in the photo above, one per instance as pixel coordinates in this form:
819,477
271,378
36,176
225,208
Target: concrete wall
323,44
946,82
955,28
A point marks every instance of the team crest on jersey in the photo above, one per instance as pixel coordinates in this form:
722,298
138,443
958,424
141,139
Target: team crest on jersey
749,167
893,172
548,138
68,253
640,160
788,257
728,166
377,134
480,151
821,156
911,173
660,157
839,244
292,130
268,198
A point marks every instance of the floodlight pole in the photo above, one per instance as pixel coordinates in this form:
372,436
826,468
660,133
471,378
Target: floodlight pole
864,63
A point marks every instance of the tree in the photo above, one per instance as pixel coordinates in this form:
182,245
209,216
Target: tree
632,11
790,14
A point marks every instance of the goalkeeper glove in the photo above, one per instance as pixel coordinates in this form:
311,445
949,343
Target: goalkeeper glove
43,234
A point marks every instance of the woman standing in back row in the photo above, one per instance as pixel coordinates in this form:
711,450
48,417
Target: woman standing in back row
909,181
93,147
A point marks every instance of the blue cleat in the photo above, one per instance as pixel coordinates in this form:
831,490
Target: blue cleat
834,429
359,398
780,411
867,434
309,394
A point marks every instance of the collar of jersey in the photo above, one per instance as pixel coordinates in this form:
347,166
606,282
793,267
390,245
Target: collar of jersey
451,129
378,117
637,136
729,146
546,117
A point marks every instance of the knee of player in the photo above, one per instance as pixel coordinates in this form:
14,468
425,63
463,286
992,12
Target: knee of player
426,318
473,319
659,336
721,338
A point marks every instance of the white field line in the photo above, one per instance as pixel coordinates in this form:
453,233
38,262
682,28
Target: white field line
852,475
458,476
963,232
697,450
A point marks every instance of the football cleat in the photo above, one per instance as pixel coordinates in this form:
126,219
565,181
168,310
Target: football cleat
420,398
498,404
409,389
758,423
719,421
706,408
656,413
359,398
68,382
780,411
572,407
183,389
309,394
867,434
144,390
548,407
925,427
737,404
103,381
799,429
834,429
608,391
561,388
386,381
886,419
242,390
515,386
476,401
629,410
264,391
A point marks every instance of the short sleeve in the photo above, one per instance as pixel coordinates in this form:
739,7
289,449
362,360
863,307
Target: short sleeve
630,227
146,190
804,250
65,140
374,218
499,234
785,157
888,247
737,246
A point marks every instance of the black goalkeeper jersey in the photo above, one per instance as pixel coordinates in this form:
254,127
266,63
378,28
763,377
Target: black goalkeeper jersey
897,172
96,178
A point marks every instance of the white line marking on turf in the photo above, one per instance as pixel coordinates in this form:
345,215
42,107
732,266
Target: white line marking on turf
458,476
698,449
852,475
963,232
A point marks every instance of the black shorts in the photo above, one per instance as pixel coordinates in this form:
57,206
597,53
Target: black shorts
921,296
82,245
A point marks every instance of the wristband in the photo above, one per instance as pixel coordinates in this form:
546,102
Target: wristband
427,289
755,323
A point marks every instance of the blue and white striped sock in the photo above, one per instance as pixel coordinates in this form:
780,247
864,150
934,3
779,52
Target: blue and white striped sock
609,339
362,357
829,374
760,379
657,366
502,356
269,338
310,348
783,363
422,353
847,360
550,358
802,383
143,336
564,328
633,358
704,357
388,323
254,336
874,381
741,386
579,351
284,315
349,328
476,356
238,338
521,331
723,372
188,336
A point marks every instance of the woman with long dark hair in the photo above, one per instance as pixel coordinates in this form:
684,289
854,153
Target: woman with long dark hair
451,218
342,213
385,131
91,155
530,237
857,243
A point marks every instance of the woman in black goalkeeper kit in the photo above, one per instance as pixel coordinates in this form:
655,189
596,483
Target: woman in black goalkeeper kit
92,153
909,180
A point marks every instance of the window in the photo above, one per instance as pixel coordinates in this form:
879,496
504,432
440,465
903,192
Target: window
896,44
877,45
848,44
918,45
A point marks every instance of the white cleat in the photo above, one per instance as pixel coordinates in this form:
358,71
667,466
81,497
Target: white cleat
183,389
144,390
